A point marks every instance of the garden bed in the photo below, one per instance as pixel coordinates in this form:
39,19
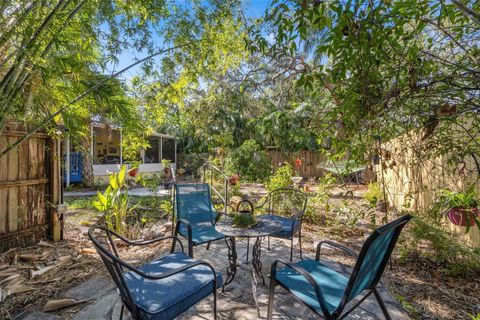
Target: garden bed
424,287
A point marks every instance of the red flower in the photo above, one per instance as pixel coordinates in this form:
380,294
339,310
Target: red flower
132,172
298,163
234,179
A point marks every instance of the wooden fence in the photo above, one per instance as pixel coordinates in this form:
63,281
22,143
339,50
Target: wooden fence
30,188
311,161
413,181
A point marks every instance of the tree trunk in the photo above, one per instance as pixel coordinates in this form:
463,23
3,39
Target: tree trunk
87,161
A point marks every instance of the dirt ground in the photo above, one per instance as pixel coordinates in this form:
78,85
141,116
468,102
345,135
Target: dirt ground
424,291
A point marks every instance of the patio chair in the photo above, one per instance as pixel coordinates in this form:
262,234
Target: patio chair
327,292
195,215
286,206
161,289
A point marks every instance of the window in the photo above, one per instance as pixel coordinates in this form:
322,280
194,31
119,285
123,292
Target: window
168,149
152,153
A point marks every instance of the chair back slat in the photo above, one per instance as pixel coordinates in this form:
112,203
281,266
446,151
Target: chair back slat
193,203
373,258
105,246
286,202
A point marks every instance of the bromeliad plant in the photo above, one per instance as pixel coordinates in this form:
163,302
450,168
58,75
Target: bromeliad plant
115,202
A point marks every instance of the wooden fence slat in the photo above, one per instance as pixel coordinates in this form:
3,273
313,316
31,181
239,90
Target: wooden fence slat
23,159
12,167
41,212
4,159
3,211
41,158
13,209
32,145
30,213
23,207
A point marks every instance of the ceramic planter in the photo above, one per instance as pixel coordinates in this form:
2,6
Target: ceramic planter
463,216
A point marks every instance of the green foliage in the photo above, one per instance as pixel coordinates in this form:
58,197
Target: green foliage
250,160
373,194
115,202
408,306
444,248
66,46
385,69
80,203
320,204
167,207
347,214
474,317
244,220
467,199
235,190
281,178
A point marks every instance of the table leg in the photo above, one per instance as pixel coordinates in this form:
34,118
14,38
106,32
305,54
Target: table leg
232,260
256,262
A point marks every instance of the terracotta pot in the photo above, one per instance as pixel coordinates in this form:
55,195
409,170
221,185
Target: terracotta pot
462,216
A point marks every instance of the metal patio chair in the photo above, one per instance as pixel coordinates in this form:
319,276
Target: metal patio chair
161,289
286,206
195,215
327,292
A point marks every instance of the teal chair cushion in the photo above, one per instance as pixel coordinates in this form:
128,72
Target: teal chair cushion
167,298
201,233
286,223
331,283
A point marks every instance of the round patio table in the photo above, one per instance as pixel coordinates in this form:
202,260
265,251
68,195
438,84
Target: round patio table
262,229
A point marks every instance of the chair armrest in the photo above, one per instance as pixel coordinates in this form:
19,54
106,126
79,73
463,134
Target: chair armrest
158,276
189,235
306,275
263,203
146,242
345,249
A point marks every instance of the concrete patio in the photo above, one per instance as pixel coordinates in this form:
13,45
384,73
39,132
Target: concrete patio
238,301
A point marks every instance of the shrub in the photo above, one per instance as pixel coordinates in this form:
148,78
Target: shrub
115,202
281,178
444,248
373,194
320,203
250,160
192,162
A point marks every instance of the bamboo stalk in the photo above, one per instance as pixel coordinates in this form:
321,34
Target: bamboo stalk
83,95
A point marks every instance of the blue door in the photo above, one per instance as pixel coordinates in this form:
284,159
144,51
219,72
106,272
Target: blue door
75,167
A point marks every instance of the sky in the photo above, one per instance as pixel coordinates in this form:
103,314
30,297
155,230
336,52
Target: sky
252,8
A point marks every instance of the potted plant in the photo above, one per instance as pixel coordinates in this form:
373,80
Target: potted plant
462,207
244,218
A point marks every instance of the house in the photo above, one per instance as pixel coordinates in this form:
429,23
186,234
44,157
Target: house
107,154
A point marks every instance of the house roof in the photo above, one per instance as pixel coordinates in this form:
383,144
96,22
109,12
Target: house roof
162,135
116,127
